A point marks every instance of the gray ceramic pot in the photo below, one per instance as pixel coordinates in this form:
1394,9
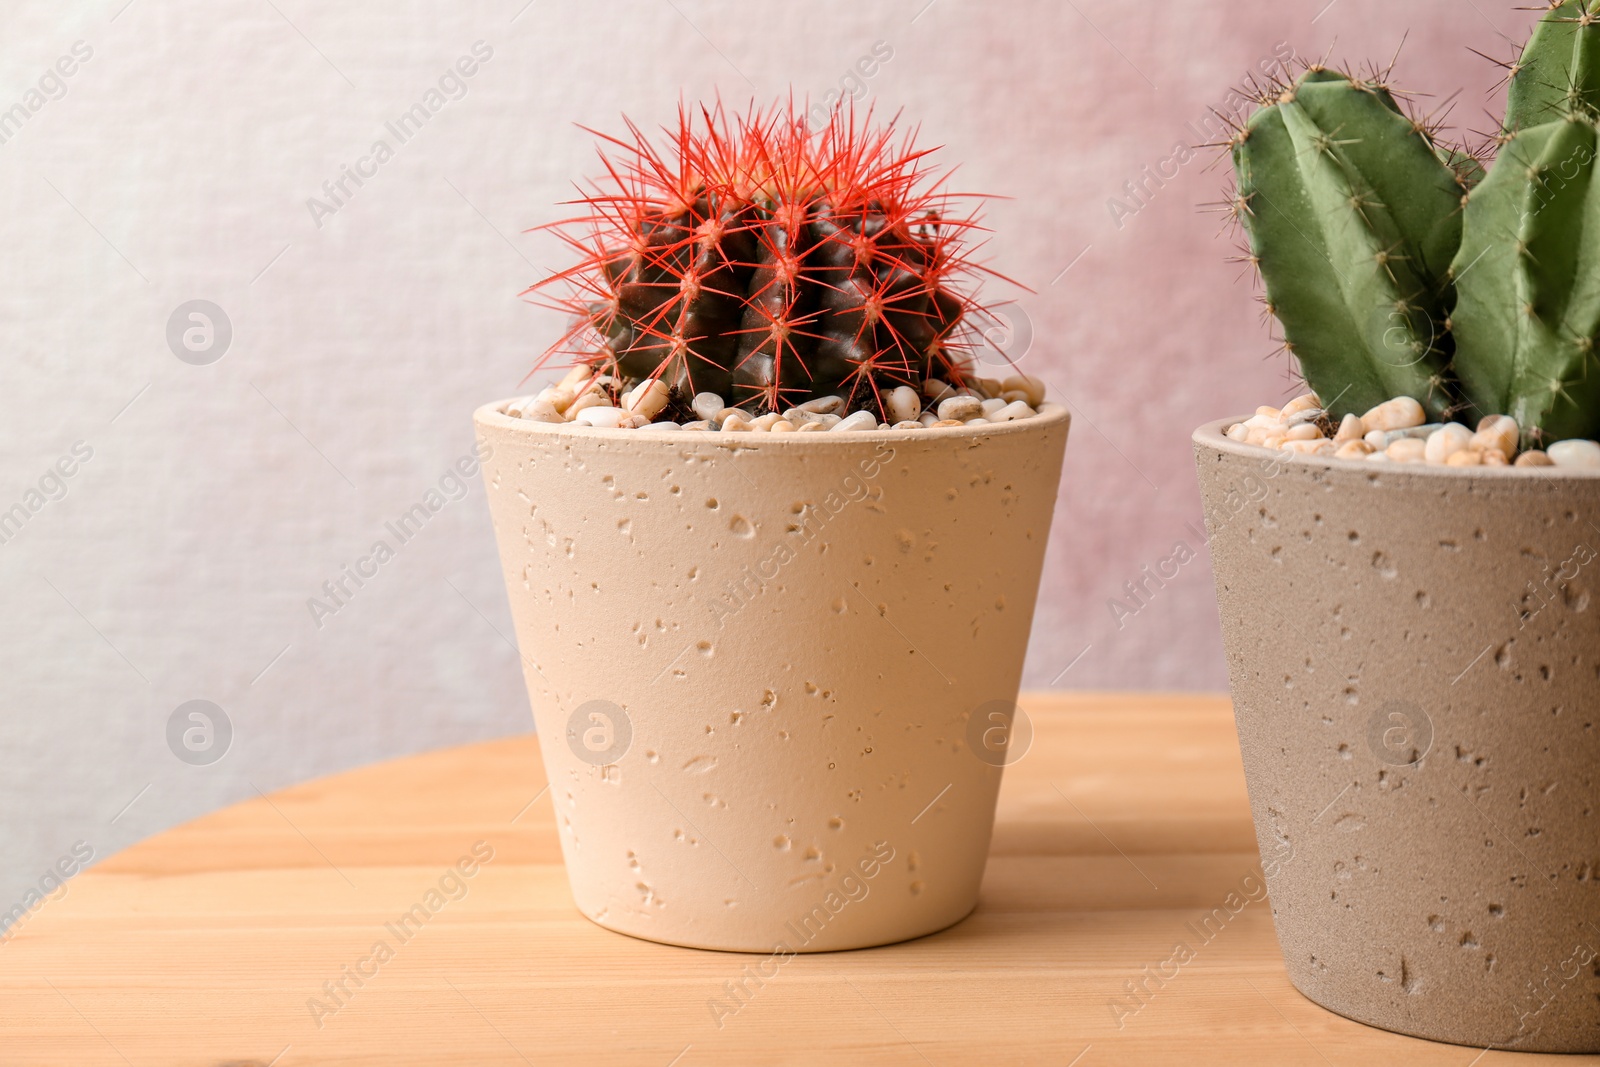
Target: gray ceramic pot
1415,661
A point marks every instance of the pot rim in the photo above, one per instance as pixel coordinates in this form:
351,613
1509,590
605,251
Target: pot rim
1211,436
493,414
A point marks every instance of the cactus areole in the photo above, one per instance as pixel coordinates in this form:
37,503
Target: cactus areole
1395,267
756,258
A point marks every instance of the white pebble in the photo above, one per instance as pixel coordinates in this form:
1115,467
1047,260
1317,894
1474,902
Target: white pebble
592,399
782,426
992,405
633,422
1446,442
937,390
605,417
861,420
1013,411
1238,432
928,418
1351,429
800,418
699,424
1398,414
907,424
648,398
766,422
665,426
1497,431
558,396
811,427
1408,450
1310,415
960,409
823,405
1306,402
1356,449
1022,383
576,376
735,421
1305,431
540,411
1382,439
1258,435
1575,453
903,404
707,405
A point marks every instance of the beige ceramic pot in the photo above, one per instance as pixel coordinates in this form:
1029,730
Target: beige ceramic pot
1415,661
772,673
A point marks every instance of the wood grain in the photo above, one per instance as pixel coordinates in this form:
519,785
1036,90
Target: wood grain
1126,821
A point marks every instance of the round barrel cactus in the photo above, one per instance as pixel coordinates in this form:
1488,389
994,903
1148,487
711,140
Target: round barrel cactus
754,257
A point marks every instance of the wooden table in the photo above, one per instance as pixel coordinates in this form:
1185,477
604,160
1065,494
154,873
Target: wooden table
1126,820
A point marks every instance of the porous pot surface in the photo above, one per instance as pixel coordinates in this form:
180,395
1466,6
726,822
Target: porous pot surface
1415,661
765,665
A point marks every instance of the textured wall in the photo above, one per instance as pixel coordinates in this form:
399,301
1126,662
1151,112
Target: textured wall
175,164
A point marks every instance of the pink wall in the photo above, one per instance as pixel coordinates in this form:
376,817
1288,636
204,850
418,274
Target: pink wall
1058,105
1152,332
177,166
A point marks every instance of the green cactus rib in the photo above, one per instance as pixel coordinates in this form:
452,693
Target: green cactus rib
1353,219
1558,72
1528,278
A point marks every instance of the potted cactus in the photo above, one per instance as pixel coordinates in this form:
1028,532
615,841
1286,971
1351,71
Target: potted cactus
770,542
1404,556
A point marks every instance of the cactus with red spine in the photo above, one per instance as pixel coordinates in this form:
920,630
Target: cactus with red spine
771,264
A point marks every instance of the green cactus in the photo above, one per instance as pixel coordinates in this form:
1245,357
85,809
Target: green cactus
1397,267
1558,73
1528,278
1354,216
